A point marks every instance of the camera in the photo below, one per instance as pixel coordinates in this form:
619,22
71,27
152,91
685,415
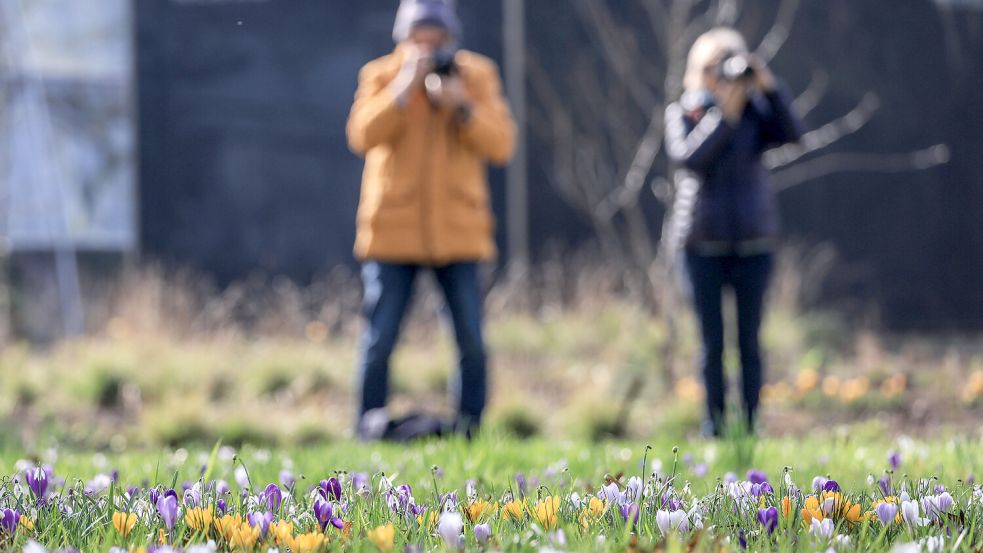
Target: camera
734,67
443,62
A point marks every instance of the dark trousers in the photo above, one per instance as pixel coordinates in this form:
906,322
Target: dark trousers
388,290
748,277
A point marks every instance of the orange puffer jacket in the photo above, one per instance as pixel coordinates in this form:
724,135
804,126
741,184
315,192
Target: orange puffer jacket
424,192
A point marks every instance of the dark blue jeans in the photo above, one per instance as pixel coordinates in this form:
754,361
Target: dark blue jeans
388,290
748,277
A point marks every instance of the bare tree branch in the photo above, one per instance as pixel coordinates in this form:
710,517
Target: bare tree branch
860,162
826,135
776,36
597,18
813,94
727,12
645,155
658,15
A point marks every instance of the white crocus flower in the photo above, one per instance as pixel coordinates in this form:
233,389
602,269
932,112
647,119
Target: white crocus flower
910,513
933,544
822,529
242,477
33,547
209,547
449,527
679,520
663,520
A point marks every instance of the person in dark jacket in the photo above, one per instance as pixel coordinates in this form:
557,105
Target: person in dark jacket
732,110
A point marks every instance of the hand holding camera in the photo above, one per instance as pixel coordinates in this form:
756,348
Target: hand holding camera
735,75
418,64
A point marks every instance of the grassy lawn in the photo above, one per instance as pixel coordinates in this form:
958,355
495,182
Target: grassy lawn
695,476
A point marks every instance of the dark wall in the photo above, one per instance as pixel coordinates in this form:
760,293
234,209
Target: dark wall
244,164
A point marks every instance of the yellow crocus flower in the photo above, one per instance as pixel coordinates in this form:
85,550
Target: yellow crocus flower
383,537
226,525
124,523
546,512
811,511
282,531
513,510
787,506
434,518
306,543
480,508
198,518
244,537
593,511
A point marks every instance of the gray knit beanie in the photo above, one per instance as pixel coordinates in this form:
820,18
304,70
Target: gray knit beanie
413,13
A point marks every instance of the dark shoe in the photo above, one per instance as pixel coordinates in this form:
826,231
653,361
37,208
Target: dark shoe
376,425
709,430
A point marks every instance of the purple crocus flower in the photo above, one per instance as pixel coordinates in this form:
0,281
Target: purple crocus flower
167,507
287,478
520,480
360,483
741,539
700,470
611,493
894,459
671,503
261,521
831,486
768,518
886,512
9,520
154,494
272,497
482,532
630,511
818,483
449,500
945,501
756,476
37,481
221,487
331,489
192,496
324,513
221,507
884,482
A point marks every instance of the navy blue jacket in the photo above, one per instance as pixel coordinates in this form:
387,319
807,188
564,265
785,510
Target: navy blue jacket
734,210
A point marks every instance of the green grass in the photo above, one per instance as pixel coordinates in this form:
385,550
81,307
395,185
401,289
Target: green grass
551,467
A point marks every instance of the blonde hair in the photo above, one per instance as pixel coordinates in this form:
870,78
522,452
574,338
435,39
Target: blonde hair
709,49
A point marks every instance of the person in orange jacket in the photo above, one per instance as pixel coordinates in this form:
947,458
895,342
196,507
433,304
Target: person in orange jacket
428,118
